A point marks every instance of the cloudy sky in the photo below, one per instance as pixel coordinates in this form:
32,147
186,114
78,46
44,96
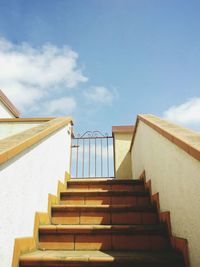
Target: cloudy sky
102,62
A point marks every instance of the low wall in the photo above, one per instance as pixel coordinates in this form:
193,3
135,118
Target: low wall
169,154
122,136
27,177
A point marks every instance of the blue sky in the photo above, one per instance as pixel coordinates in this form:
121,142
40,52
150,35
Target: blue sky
102,62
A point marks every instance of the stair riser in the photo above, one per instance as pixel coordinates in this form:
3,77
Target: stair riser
95,264
134,188
84,217
105,200
103,242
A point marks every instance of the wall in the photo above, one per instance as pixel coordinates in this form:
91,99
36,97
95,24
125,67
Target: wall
25,182
4,112
176,176
10,128
122,155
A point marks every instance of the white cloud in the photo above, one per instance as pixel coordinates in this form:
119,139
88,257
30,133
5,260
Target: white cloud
100,94
64,105
29,74
187,113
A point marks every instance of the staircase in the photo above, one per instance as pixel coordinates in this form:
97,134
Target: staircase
103,223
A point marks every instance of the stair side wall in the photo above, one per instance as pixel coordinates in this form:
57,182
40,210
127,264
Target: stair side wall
26,181
176,176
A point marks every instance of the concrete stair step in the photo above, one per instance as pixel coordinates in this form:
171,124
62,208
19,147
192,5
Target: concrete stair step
112,184
108,208
102,192
101,259
104,214
103,237
99,197
103,229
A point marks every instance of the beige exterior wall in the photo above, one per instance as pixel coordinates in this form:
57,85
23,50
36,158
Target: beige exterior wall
176,176
122,155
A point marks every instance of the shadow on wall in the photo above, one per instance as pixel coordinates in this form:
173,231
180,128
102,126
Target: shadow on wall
124,170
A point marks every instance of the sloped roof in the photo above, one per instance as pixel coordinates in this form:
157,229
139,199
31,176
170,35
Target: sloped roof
9,104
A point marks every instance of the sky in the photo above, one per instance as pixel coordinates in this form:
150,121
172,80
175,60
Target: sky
102,62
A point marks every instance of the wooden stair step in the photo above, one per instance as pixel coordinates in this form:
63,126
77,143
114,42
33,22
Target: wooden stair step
103,237
101,259
104,214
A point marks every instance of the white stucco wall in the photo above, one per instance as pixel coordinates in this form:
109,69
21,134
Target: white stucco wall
25,183
4,112
10,128
176,176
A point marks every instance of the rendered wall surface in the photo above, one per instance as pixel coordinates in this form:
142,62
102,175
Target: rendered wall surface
176,176
25,182
4,112
122,143
10,128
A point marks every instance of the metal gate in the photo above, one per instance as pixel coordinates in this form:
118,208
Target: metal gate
92,155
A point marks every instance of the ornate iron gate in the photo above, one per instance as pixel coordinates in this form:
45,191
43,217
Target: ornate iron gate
92,155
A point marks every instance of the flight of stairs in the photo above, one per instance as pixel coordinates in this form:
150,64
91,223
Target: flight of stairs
103,223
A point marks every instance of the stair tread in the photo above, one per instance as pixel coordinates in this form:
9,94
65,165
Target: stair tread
119,229
119,207
102,256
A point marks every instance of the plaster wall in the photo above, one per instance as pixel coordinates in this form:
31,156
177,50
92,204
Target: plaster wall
122,155
4,112
176,176
25,183
10,128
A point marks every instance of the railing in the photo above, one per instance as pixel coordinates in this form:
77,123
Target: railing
92,155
